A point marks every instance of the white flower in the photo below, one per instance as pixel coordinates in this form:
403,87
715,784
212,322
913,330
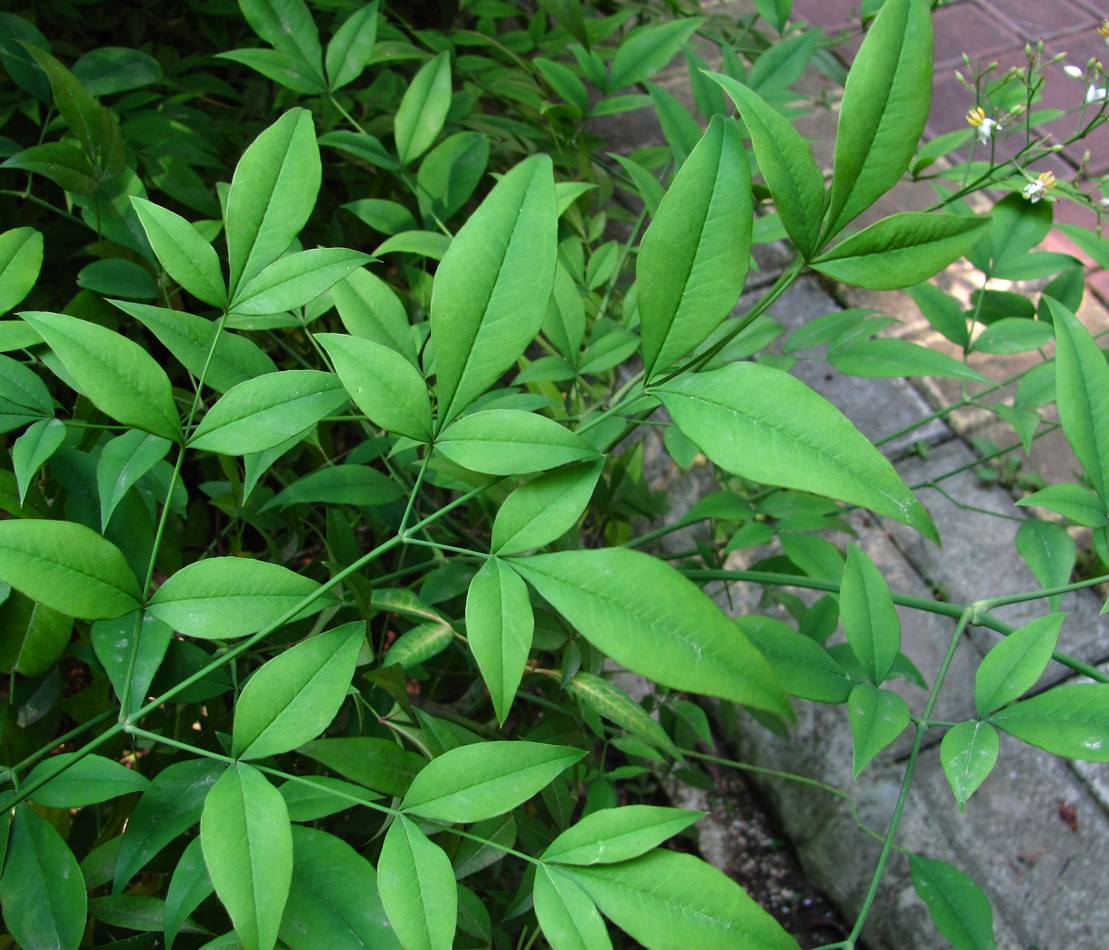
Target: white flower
986,127
1074,72
1038,188
1096,93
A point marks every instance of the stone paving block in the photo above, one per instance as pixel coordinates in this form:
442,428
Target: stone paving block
967,28
1035,18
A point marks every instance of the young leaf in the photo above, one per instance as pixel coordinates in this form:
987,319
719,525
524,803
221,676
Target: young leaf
67,567
80,780
382,383
511,442
545,508
608,700
499,626
417,888
42,889
225,597
33,449
687,286
885,106
475,782
186,256
960,909
134,647
1012,667
492,288
1078,504
295,280
1070,720
287,26
272,194
1050,553
351,47
669,899
649,618
870,620
878,716
968,753
267,410
423,110
568,918
618,834
901,250
115,373
20,262
122,462
763,424
293,698
647,49
248,847
786,163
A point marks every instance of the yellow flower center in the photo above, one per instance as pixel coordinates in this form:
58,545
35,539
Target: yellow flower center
1047,179
976,116
1103,27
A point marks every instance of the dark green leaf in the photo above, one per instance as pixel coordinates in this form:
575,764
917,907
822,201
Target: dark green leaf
608,700
376,763
878,716
647,49
888,357
131,650
1013,666
33,449
1070,720
189,886
511,442
803,666
34,635
122,462
339,485
63,164
112,69
287,26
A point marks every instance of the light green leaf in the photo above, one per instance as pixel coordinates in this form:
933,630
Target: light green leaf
321,795
499,627
475,782
417,888
115,373
382,383
492,288
786,163
24,397
295,280
545,508
286,69
351,47
763,424
186,256
131,650
960,909
968,753
431,244
189,886
1070,720
900,250
420,644
42,888
339,485
292,698
1014,335
1075,502
511,442
885,106
423,110
20,262
333,901
803,666
253,877
267,410
608,700
870,620
618,834
225,597
878,716
272,193
672,901
887,357
33,449
646,49
80,780
450,173
568,918
376,763
370,310
288,26
67,567
1013,666
1050,553
693,258
123,461
649,618
35,636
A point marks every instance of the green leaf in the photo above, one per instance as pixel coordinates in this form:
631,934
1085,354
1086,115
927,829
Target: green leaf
1050,553
680,129
248,847
878,716
608,700
33,449
67,567
35,636
900,250
63,164
1082,395
170,807
1078,504
80,780
568,918
115,373
545,508
375,763
671,901
888,357
450,173
492,288
870,620
647,49
116,277
1014,335
511,442
24,397
649,618
113,69
288,27
189,886
292,698
424,243
885,106
286,69
475,782
942,311
272,194
786,163
351,47
417,888
223,359
499,627
382,383
1013,666
333,901
763,424
186,256
803,666
960,909
20,262
968,753
42,888
1070,720
1017,226
321,795
267,410
131,649
423,110
225,597
295,280
371,311
693,258
618,834
123,461
339,485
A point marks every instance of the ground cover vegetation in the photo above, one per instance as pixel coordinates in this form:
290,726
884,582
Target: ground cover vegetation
330,361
